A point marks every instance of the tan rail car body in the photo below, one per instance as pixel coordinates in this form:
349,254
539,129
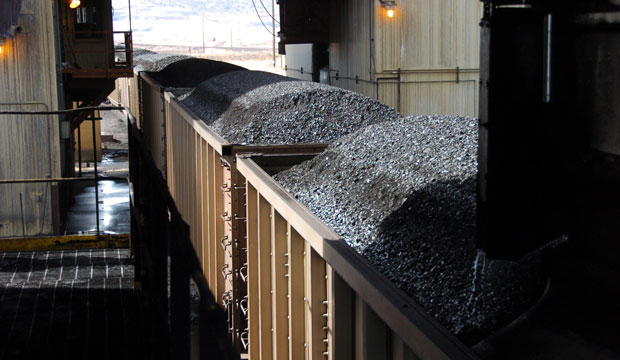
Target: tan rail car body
292,287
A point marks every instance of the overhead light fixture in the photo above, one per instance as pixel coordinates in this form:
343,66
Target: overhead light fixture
75,3
389,6
1,45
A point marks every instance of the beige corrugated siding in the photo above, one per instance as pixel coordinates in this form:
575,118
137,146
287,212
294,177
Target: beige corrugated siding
29,145
350,48
426,39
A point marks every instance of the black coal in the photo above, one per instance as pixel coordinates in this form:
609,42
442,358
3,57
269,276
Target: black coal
403,194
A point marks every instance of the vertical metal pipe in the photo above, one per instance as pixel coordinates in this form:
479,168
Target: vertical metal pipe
21,206
92,115
129,4
548,43
79,150
370,38
273,27
398,92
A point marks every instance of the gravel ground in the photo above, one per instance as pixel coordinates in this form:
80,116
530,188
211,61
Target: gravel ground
403,194
188,73
254,107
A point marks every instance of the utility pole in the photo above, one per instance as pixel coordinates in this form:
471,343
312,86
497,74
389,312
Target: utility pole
204,50
273,26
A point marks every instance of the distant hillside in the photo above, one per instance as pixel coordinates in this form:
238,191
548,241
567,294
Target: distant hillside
212,6
174,22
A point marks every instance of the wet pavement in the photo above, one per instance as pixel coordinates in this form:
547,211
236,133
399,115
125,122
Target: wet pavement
113,208
113,195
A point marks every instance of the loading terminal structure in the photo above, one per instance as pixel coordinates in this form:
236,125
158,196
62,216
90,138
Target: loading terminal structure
223,262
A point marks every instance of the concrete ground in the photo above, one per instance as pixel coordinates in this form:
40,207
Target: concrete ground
113,195
113,208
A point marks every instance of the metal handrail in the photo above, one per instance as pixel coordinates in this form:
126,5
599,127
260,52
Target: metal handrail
95,178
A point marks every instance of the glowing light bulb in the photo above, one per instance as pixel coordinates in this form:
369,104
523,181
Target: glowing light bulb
1,49
390,13
74,4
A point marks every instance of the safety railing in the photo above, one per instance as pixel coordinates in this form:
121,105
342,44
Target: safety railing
184,320
36,205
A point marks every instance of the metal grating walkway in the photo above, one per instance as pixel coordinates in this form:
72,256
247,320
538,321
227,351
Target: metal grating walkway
77,304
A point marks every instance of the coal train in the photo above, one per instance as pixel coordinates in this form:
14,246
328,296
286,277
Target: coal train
545,197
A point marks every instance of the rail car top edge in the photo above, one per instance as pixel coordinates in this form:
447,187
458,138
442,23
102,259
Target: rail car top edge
214,139
405,317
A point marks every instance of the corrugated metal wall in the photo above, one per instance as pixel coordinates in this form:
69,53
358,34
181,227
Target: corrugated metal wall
350,48
29,145
427,40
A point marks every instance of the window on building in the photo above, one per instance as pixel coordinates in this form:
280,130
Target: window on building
88,22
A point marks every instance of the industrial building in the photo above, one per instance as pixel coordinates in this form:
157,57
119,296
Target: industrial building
420,57
53,58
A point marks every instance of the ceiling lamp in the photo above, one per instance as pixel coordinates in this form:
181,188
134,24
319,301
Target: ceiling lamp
75,3
390,7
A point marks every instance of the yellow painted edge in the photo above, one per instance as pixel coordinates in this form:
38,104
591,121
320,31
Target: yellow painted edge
68,242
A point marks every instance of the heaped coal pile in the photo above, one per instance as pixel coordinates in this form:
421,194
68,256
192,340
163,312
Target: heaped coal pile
140,52
188,73
403,194
253,107
213,97
150,61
